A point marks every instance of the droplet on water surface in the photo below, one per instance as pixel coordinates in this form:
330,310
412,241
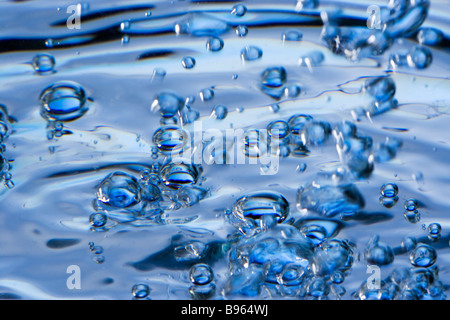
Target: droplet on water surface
201,274
44,64
251,53
188,62
168,104
214,44
140,291
119,190
239,10
63,101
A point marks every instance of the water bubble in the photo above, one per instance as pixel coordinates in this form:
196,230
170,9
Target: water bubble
202,292
316,233
199,24
214,44
63,101
419,57
274,77
266,208
189,115
412,216
292,274
379,253
254,143
180,173
316,132
170,139
201,274
292,35
125,25
239,10
411,204
317,288
388,202
98,219
251,53
140,291
397,60
408,243
158,74
241,31
430,36
278,129
219,112
434,231
301,167
188,62
423,256
119,190
43,64
274,108
389,190
49,43
206,94
312,59
191,195
168,104
380,88
292,91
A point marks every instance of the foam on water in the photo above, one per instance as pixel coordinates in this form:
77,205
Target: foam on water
211,150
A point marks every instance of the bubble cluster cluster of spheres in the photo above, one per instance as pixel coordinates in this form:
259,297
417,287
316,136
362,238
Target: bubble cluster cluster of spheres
261,239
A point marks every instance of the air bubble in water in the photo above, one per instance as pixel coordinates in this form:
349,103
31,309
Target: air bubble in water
254,143
423,256
292,35
274,77
98,219
219,112
241,31
188,62
379,253
239,10
214,44
251,53
389,190
411,204
265,208
412,216
419,57
170,139
201,274
434,231
180,173
292,91
206,94
278,129
380,88
430,36
63,101
140,291
119,190
408,243
43,64
312,59
168,104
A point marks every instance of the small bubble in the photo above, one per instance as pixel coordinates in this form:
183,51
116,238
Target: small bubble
214,44
241,31
239,10
430,36
434,231
125,40
389,190
43,64
125,25
206,94
292,91
188,62
301,167
251,53
167,103
408,243
201,274
278,129
292,35
148,13
99,259
98,219
219,112
412,216
49,43
140,291
158,74
274,108
423,256
419,57
411,205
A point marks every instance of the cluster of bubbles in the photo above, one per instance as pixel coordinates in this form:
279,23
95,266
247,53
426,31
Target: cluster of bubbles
97,252
5,131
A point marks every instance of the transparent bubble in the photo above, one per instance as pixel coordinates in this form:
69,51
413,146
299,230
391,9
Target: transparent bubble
188,62
316,133
170,139
419,57
292,274
191,195
412,216
278,129
201,274
411,204
292,91
180,173
423,256
167,104
202,292
98,219
63,101
388,202
312,59
214,44
254,143
241,31
434,231
292,35
206,94
338,277
274,108
239,10
44,64
119,190
301,167
274,77
408,243
251,53
158,74
380,88
430,36
379,253
316,233
140,291
318,288
219,112
297,123
389,190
